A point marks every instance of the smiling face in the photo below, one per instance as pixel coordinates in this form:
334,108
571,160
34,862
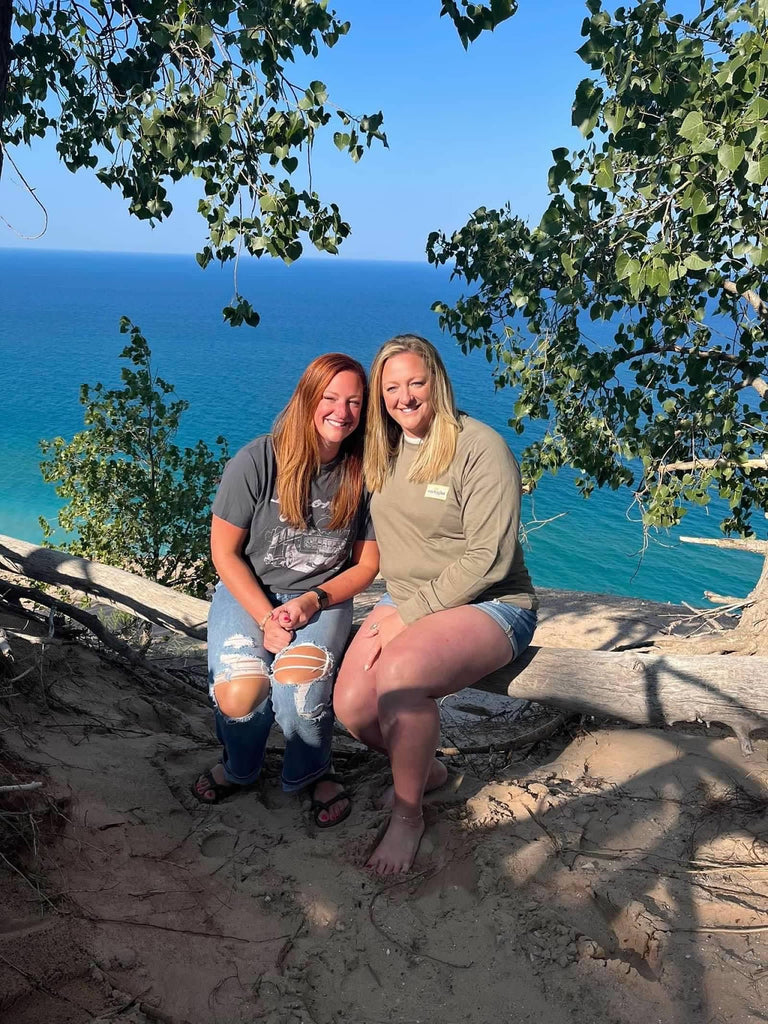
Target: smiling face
406,390
338,412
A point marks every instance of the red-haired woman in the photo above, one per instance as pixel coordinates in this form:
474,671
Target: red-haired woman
292,543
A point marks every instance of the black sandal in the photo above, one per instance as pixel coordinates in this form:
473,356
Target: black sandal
221,790
317,806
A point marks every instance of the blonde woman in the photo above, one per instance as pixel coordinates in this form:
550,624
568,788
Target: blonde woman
446,509
292,542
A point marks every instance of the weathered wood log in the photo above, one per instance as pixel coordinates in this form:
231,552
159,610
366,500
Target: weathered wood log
646,688
134,594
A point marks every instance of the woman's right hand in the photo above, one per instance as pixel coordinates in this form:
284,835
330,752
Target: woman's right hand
381,626
276,638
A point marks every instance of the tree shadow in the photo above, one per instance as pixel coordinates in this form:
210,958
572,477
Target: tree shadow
647,871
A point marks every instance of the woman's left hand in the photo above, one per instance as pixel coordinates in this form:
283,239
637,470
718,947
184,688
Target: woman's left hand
385,628
297,612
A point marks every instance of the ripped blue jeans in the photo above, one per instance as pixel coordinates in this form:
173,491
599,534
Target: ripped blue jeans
302,710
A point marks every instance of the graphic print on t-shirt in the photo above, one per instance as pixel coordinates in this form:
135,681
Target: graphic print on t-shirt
309,551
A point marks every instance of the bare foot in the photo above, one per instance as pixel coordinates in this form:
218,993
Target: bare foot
396,851
324,792
438,774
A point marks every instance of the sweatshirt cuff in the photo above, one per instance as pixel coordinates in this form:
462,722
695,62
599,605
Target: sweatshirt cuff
413,609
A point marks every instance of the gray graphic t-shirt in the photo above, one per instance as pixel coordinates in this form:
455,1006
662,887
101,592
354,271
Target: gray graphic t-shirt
284,558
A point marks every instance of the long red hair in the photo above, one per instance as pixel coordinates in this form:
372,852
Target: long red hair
298,453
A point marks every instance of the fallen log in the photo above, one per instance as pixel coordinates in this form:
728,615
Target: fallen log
134,594
647,688
644,687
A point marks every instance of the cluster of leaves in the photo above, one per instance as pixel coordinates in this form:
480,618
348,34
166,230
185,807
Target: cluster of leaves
133,497
150,91
473,19
657,233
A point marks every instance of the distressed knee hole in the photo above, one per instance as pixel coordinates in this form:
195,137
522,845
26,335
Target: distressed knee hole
239,693
302,663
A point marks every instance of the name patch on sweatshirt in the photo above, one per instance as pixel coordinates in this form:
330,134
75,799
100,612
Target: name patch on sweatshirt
437,491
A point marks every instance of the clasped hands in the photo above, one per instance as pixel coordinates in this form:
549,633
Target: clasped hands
286,618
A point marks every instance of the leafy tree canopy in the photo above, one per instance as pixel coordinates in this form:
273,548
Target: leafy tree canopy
148,92
657,235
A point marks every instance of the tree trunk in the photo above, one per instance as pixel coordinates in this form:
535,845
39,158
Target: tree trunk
134,594
750,636
754,618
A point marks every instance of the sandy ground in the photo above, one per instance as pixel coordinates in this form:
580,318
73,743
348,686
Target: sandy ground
614,875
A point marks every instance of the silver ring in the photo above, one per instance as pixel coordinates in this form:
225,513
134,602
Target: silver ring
374,627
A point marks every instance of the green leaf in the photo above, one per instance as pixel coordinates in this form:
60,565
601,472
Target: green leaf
626,265
319,92
695,262
701,202
757,172
586,106
568,264
730,156
693,127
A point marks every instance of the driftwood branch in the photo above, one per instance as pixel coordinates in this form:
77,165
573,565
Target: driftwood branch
728,602
687,467
753,546
134,594
95,626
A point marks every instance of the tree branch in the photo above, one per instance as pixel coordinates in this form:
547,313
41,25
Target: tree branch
759,384
754,546
685,467
135,594
760,307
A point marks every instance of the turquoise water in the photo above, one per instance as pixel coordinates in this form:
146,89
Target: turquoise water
59,328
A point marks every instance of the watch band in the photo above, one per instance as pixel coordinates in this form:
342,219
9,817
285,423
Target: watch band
323,598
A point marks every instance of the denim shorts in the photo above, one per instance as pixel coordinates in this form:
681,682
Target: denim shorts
518,623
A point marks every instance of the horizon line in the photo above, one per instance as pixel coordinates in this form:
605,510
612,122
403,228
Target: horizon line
252,260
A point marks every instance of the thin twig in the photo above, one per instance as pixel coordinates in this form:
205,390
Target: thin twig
179,931
392,938
29,238
43,988
288,946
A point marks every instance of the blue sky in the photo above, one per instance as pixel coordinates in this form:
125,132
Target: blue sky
465,129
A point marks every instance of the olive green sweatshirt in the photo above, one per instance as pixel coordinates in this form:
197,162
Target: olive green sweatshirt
453,541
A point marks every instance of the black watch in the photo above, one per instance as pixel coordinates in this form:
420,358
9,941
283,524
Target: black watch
323,598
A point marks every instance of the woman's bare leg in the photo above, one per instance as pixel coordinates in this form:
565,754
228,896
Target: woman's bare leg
437,776
355,701
440,654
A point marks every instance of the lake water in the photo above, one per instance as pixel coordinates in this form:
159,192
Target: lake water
59,328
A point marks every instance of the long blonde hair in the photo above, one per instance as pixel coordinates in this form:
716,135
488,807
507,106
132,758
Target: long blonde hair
382,434
298,453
